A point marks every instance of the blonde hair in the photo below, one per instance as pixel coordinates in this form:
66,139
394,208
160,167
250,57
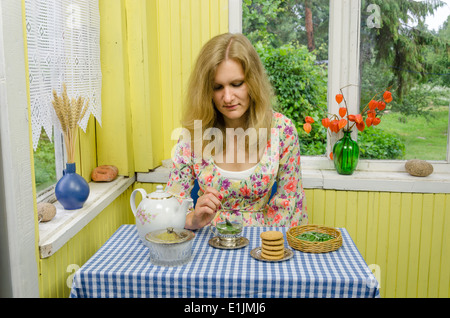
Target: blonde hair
198,104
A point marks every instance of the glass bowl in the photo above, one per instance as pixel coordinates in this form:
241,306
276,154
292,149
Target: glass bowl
170,247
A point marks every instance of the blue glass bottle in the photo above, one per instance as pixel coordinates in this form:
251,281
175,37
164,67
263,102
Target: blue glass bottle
72,190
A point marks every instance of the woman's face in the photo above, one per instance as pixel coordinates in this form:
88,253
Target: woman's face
230,95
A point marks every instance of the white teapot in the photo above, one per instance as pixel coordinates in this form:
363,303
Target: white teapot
158,210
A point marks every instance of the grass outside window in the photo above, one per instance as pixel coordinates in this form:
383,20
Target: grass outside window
425,137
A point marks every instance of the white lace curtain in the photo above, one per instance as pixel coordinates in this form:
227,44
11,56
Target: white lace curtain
63,41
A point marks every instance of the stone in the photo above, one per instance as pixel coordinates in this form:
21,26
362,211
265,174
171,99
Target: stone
46,211
104,173
418,168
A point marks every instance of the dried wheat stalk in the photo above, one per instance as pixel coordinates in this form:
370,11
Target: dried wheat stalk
69,112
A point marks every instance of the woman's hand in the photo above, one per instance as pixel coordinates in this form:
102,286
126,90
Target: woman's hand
205,209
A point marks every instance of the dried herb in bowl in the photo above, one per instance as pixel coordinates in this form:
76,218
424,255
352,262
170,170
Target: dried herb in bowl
315,237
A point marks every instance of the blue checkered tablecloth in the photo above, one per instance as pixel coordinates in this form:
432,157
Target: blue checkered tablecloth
122,268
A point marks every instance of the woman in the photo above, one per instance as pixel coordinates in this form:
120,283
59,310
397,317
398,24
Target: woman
235,145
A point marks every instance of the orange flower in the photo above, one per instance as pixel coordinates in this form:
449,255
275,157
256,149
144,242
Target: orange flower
309,119
360,126
345,121
326,122
387,96
334,126
373,104
371,113
307,127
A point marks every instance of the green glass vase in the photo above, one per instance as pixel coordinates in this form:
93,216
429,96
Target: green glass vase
346,154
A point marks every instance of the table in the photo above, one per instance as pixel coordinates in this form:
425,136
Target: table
122,268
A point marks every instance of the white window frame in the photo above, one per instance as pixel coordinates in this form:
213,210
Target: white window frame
18,262
344,40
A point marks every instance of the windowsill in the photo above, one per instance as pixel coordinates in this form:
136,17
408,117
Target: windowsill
378,181
67,223
371,175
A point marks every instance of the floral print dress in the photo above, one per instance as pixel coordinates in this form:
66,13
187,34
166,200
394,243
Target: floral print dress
280,163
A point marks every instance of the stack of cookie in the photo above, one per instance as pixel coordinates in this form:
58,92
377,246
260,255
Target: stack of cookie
272,247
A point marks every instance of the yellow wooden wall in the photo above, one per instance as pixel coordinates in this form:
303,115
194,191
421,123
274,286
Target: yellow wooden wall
406,234
86,150
114,137
164,38
56,271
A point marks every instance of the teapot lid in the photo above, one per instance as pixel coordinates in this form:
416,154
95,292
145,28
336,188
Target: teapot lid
159,194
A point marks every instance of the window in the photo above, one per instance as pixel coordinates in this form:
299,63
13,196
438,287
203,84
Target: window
291,38
63,46
44,163
360,55
406,47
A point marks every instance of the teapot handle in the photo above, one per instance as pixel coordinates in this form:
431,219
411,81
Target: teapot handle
132,199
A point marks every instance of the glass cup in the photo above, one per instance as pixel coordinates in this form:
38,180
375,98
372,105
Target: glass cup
227,226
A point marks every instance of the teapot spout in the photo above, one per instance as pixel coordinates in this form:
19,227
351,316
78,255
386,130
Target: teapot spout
185,205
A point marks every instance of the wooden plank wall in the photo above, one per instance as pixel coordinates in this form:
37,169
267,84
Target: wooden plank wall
56,271
164,40
406,236
114,136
